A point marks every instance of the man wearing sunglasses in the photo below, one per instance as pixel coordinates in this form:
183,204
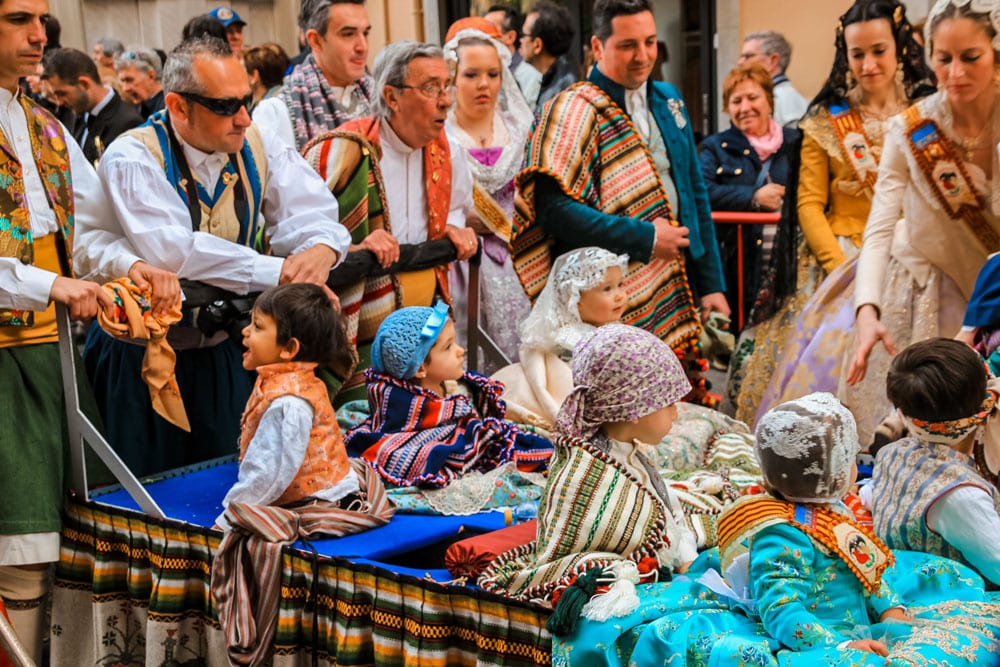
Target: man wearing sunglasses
331,86
201,191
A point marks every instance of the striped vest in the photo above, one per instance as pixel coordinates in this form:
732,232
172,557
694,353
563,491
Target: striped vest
325,462
909,477
48,143
218,212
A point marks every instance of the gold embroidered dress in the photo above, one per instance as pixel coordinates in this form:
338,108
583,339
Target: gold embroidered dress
837,172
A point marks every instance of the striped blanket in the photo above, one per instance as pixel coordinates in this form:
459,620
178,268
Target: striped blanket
246,574
349,164
588,145
413,437
593,512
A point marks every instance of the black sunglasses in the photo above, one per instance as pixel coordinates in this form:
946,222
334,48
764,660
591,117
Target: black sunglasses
220,106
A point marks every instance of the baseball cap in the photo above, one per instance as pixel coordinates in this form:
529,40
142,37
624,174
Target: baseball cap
226,16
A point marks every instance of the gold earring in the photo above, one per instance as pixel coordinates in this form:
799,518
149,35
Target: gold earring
851,81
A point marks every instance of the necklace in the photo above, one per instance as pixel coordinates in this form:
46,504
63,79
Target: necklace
970,145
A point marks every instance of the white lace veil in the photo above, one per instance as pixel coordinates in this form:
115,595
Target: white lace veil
510,100
554,322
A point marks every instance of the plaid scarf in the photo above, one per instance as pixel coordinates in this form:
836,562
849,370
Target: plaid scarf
415,437
313,106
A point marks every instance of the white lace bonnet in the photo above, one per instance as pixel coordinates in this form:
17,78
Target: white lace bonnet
554,321
807,448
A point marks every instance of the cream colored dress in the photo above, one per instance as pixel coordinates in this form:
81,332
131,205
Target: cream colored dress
919,272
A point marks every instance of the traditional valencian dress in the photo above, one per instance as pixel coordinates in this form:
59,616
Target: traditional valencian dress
920,271
802,577
586,152
800,349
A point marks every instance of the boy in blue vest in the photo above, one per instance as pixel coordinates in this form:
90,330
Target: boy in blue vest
928,492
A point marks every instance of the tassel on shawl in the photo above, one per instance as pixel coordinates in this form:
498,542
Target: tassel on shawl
621,599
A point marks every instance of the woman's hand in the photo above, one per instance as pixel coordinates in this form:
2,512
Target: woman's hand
870,332
769,197
896,614
870,645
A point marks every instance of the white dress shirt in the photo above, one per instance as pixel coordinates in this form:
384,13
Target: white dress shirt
271,116
403,170
27,287
274,456
299,210
638,109
98,108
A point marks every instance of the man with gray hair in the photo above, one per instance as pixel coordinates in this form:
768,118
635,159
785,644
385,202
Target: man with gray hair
431,192
330,86
201,190
772,50
139,75
105,51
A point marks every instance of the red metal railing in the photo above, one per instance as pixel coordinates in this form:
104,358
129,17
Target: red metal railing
740,218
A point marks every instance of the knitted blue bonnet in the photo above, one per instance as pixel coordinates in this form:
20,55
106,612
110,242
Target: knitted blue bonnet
405,338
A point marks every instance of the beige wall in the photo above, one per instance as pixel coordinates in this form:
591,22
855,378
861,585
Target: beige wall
808,25
158,23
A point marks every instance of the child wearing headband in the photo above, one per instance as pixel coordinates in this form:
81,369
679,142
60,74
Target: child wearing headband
927,491
430,420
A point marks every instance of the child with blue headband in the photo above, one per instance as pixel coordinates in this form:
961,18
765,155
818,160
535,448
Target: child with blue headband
430,420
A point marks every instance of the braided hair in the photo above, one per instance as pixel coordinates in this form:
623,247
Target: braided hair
918,79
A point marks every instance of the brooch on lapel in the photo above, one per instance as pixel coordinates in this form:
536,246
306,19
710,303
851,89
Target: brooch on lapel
677,109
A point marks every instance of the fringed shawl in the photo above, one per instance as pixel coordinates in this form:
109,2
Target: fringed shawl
349,164
594,511
415,437
587,144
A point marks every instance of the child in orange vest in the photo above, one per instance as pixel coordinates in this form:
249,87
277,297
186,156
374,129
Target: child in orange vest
291,448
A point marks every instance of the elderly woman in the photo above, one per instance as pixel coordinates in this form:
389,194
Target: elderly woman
746,168
490,119
266,65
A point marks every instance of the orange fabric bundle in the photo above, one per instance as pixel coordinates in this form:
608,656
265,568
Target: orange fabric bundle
133,318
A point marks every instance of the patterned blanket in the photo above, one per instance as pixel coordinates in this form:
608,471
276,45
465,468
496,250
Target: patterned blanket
593,512
588,145
415,437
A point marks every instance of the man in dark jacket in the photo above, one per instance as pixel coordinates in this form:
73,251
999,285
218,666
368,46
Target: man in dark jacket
101,115
548,35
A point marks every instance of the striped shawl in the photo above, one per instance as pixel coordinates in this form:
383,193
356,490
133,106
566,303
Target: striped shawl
246,573
587,144
349,164
593,512
416,438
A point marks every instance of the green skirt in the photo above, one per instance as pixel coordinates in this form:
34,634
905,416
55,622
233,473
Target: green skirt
35,467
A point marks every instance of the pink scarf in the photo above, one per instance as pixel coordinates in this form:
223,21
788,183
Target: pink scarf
767,145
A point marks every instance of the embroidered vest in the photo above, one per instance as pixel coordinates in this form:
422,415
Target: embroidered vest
325,462
219,215
437,184
859,548
48,144
909,477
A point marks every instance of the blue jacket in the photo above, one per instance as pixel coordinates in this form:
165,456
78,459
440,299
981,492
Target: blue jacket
569,221
730,167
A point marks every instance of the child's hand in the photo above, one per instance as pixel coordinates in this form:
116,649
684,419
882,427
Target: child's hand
896,614
681,569
870,645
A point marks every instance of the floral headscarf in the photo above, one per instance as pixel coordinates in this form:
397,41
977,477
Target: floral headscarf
620,373
554,322
807,447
